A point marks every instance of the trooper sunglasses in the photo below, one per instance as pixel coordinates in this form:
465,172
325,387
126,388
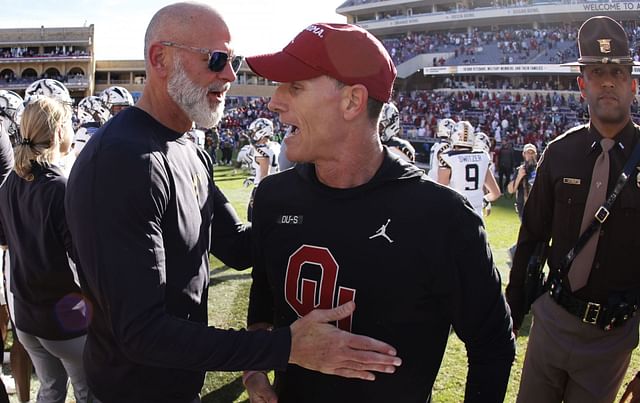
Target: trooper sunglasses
217,58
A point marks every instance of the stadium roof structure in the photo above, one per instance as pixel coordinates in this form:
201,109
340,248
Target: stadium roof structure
383,17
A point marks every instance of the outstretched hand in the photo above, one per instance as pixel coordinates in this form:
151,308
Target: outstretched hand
259,388
320,346
632,392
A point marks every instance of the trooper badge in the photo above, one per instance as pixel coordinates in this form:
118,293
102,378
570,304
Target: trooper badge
605,45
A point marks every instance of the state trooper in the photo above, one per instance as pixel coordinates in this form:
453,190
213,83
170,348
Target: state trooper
585,327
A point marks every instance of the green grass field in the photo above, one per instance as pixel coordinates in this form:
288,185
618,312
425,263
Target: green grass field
228,298
229,293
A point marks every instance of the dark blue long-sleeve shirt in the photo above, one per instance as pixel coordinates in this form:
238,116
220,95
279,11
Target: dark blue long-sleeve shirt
144,214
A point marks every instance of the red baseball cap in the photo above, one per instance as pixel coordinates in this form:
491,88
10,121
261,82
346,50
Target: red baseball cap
344,52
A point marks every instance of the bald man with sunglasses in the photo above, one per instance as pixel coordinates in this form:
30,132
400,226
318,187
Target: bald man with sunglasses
146,214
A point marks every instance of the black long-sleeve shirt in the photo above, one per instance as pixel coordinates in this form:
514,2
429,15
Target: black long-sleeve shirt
555,208
144,214
317,247
48,302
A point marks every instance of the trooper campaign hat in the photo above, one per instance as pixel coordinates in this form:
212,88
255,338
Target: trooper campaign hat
602,40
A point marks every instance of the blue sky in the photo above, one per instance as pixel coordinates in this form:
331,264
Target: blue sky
257,26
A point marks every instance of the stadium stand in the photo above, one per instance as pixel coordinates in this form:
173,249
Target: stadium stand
496,63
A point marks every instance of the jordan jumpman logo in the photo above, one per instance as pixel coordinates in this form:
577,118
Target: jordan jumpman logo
382,232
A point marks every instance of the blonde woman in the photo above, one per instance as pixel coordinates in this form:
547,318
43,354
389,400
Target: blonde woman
50,312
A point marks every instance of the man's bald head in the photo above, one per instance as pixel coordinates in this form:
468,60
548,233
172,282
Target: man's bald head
177,22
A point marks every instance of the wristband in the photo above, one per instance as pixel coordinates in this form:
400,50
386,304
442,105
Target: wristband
248,374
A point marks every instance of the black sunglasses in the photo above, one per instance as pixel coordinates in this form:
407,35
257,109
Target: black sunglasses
217,58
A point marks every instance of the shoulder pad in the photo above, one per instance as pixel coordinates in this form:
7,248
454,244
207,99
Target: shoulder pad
263,151
442,162
444,148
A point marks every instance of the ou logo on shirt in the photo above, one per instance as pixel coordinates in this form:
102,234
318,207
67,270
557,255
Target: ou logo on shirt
304,295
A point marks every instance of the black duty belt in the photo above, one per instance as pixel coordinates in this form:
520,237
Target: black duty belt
604,316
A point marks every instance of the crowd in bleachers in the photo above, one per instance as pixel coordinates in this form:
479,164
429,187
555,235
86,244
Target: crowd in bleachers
521,119
9,53
501,83
510,115
241,111
13,80
507,45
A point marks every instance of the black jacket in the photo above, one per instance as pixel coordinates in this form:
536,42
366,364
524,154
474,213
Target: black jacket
48,302
317,246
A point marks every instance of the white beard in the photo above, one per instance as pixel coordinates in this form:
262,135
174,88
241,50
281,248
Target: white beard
193,99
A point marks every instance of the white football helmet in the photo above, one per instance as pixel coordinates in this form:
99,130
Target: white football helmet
259,129
445,128
463,135
47,87
389,122
482,142
11,107
81,136
115,95
91,109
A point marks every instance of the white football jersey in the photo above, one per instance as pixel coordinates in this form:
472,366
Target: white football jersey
245,155
271,150
436,150
468,173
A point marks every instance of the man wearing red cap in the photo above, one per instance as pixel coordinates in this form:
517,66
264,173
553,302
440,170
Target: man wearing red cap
586,326
339,227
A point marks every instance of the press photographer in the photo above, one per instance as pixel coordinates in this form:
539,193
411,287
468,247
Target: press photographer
524,177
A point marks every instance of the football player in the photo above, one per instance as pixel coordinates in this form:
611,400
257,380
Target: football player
11,105
389,130
445,127
197,136
482,143
265,154
116,99
468,171
91,114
